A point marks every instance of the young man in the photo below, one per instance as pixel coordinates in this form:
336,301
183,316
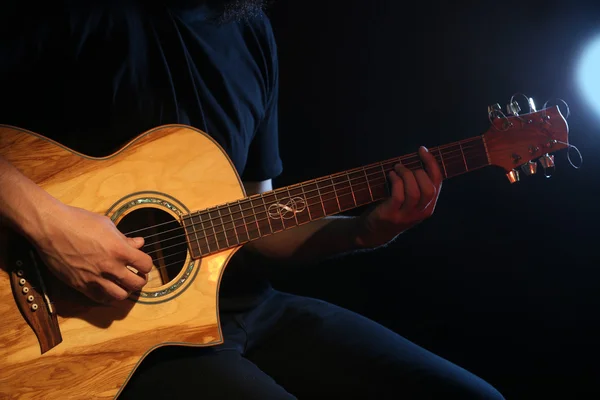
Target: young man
93,76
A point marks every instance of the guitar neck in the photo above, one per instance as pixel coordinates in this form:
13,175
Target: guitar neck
233,224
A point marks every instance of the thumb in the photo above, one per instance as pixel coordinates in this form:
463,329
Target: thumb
136,242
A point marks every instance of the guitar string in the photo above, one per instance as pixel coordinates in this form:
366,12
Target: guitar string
219,249
157,269
443,159
449,163
244,225
228,237
253,209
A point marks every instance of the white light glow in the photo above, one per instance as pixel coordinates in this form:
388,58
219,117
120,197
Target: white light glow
588,74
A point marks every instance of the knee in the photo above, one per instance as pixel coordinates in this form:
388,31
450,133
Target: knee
468,387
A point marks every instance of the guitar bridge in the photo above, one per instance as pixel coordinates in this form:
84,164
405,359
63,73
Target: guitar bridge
32,299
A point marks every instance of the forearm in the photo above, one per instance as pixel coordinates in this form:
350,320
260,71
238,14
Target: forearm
318,240
22,202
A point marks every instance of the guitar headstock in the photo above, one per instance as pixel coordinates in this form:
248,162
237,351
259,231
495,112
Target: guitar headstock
517,141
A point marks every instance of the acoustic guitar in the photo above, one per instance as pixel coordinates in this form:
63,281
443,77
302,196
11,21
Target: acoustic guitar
176,187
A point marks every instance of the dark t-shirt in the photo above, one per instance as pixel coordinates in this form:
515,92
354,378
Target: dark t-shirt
92,77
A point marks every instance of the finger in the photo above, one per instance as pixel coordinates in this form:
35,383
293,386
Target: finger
395,201
411,188
105,291
137,259
431,166
426,188
129,280
135,242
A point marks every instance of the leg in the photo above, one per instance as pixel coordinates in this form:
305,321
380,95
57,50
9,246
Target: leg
314,348
219,372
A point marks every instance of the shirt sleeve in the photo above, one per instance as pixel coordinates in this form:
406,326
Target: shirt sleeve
264,160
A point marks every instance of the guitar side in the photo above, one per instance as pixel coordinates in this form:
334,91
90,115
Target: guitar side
172,170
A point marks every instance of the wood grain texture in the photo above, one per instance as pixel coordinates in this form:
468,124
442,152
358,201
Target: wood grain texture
102,345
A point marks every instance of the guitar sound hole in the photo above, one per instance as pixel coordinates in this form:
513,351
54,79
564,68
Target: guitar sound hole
164,241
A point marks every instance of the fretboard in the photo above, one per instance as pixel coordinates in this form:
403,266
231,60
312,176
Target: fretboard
229,225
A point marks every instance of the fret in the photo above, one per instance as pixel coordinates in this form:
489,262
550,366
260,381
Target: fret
310,218
314,200
196,237
389,165
301,203
238,222
284,209
276,223
249,219
252,210
195,248
224,228
385,179
220,238
368,184
351,189
343,191
360,188
328,197
265,214
453,159
442,162
377,182
262,218
463,156
291,202
335,195
207,236
213,229
476,154
230,225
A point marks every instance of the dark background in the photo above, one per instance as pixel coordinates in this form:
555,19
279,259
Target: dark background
503,279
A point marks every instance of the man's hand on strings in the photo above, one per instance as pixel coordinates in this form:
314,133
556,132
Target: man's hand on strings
87,252
413,199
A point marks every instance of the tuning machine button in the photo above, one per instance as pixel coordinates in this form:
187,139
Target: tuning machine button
547,161
513,108
494,110
513,176
529,168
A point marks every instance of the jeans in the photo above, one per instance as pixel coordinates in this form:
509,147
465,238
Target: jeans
292,347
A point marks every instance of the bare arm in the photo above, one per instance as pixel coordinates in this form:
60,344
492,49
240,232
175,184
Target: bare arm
83,249
23,204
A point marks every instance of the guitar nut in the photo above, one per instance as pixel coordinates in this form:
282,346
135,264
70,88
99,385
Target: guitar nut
25,290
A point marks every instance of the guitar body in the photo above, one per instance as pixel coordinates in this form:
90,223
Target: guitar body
57,344
83,349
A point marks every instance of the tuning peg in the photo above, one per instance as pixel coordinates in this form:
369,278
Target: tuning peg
494,109
513,108
513,176
529,168
547,161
